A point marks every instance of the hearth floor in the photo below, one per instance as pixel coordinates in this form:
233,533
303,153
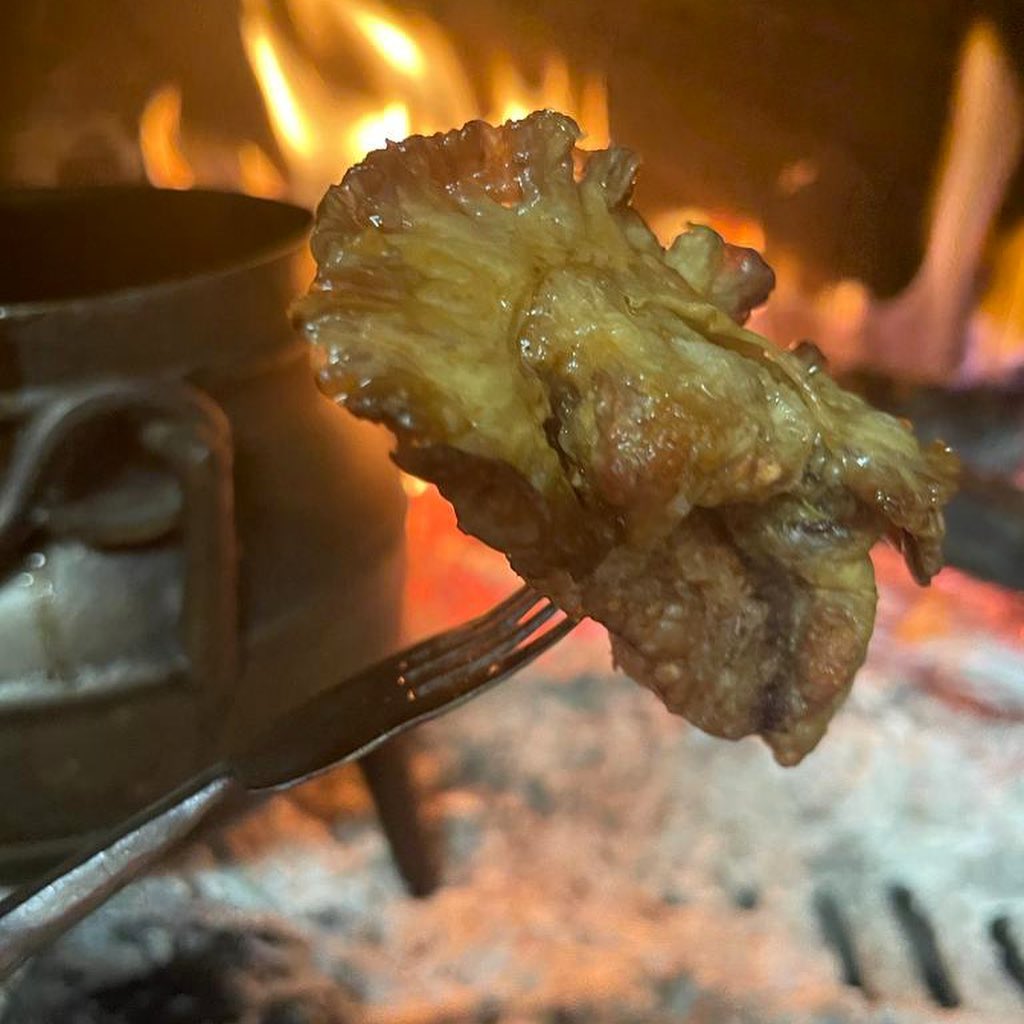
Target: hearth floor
604,861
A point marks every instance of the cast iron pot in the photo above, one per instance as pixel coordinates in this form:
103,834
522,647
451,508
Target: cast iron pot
192,539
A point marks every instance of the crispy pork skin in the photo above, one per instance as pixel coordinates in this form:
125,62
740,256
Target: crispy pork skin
592,405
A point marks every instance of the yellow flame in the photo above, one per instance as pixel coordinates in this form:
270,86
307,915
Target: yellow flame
160,140
289,118
586,100
174,161
257,174
304,54
594,112
374,130
394,45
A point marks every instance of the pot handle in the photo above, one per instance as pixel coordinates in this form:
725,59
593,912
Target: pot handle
34,916
190,432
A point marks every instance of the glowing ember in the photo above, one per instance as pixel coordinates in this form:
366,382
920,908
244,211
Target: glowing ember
461,577
927,637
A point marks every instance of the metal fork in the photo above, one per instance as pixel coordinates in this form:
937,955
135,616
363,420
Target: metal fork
339,724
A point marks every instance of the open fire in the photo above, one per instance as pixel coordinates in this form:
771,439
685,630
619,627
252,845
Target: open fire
412,80
598,853
339,78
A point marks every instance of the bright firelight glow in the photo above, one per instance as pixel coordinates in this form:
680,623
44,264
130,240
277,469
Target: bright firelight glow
374,130
340,78
257,174
289,118
733,227
398,48
160,140
302,53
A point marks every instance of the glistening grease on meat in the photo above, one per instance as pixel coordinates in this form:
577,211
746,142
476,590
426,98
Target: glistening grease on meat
592,405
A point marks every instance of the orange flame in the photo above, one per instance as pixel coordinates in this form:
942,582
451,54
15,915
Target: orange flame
928,332
734,227
1002,308
412,81
585,100
257,174
160,140
408,78
173,161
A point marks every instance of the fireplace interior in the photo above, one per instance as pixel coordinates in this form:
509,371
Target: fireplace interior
562,849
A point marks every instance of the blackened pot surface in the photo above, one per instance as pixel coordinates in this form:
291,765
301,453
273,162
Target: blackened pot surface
136,280
92,242
192,539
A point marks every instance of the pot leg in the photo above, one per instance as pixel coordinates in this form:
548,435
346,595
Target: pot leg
389,777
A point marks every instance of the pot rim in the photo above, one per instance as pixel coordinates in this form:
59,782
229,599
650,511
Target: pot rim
287,240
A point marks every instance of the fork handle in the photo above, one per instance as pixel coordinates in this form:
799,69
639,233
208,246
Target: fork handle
35,915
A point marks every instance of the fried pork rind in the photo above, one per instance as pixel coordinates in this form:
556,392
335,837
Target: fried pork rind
592,406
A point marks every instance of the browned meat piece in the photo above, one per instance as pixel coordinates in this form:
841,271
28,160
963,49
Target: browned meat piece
591,405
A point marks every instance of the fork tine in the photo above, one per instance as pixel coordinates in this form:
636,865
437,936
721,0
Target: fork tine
362,711
472,680
490,648
513,607
483,672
